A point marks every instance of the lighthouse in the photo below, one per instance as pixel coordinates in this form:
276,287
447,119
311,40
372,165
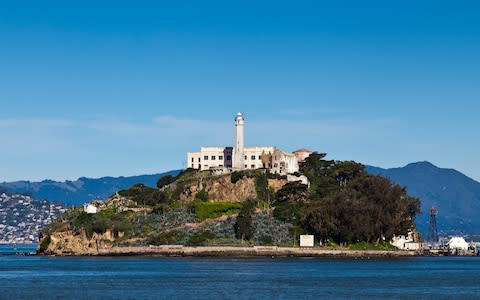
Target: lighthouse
239,156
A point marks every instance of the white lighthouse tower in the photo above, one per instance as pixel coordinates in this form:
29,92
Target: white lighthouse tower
239,156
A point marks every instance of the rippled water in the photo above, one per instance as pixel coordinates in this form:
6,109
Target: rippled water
44,277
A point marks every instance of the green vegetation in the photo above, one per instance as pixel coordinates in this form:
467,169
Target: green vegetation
348,205
44,244
145,195
236,176
202,195
372,246
165,180
210,210
244,228
173,237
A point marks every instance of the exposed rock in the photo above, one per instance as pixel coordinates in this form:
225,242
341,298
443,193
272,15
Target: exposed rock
71,243
220,188
276,184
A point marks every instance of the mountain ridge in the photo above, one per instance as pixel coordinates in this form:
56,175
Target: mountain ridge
454,194
81,190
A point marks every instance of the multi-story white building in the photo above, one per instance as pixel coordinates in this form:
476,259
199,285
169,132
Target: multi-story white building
248,157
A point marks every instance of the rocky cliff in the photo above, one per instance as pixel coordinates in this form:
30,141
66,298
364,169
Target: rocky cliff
221,188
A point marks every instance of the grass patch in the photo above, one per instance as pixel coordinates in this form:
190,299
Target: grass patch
372,246
210,210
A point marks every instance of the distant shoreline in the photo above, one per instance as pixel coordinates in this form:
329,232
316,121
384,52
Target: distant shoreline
256,251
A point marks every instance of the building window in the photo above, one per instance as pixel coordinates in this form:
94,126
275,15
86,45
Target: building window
245,157
192,166
275,165
246,166
220,165
205,157
253,166
213,157
193,159
199,159
229,157
253,157
220,157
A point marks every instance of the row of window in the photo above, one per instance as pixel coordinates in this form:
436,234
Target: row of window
220,157
213,157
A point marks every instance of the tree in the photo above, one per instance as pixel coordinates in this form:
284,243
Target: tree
369,209
244,228
165,180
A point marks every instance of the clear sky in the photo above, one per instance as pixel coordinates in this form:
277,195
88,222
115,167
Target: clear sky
110,88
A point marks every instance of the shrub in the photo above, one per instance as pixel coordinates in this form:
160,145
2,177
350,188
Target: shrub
244,228
173,237
144,195
44,244
202,195
200,238
236,176
165,180
209,210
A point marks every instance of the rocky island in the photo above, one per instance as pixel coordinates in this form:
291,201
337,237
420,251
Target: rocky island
254,211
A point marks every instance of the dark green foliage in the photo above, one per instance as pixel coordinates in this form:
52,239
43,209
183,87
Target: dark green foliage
369,209
202,195
44,244
292,191
102,221
236,176
261,187
244,228
289,203
200,238
145,195
173,237
82,219
276,176
160,208
382,245
210,210
165,180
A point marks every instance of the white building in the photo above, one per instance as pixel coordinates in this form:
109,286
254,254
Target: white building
247,158
457,243
90,208
405,242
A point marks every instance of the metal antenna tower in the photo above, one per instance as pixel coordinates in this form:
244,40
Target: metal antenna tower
433,233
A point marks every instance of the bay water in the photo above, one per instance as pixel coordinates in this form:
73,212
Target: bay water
47,277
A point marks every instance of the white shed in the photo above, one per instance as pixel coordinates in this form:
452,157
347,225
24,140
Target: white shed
457,243
90,208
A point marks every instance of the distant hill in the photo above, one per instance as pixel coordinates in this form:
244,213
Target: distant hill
81,190
456,196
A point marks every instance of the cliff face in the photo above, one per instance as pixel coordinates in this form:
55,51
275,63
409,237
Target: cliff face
70,243
220,188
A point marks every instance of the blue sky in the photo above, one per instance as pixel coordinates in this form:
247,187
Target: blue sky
124,88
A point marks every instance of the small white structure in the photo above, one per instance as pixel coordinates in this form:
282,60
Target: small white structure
412,246
302,179
457,243
90,208
405,242
306,240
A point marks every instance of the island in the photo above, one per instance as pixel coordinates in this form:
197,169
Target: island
244,213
